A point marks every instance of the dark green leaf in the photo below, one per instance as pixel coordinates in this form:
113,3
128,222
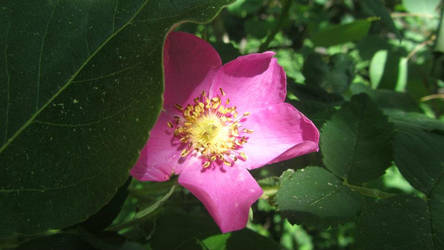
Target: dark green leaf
244,239
334,77
314,102
436,209
414,120
342,33
182,229
102,219
388,99
356,142
314,196
395,223
419,157
81,85
377,8
58,241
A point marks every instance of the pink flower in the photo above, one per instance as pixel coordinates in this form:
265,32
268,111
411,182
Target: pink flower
219,121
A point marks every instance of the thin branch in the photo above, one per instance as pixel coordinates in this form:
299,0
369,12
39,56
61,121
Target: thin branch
403,14
282,18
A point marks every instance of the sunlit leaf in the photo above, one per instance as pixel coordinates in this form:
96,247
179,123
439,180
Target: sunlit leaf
356,141
314,196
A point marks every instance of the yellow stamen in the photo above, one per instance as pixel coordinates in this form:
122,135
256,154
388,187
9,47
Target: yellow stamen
185,152
179,107
206,164
207,128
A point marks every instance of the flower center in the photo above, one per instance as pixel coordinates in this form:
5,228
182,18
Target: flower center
210,130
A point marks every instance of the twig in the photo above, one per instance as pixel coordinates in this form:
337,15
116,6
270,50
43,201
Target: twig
403,14
420,46
431,97
282,18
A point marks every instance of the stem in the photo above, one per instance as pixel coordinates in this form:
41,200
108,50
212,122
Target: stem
145,213
282,18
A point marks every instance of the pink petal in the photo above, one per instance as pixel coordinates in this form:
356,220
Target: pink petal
280,132
252,81
160,157
190,64
226,193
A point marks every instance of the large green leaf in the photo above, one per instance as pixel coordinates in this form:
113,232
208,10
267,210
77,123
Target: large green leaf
399,223
314,196
419,156
356,142
342,33
80,88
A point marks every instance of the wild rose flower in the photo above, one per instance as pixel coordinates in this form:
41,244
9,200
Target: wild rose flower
219,121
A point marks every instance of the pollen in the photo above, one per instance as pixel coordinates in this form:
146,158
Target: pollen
208,129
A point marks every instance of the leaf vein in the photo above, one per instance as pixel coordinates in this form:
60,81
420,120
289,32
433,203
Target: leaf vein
8,83
18,190
42,47
70,80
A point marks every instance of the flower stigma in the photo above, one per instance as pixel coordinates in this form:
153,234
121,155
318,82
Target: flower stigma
211,130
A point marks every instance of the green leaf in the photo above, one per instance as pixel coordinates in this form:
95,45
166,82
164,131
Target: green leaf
58,241
334,77
81,85
388,70
398,223
377,8
419,157
414,120
355,143
244,239
182,229
314,102
314,196
436,209
388,99
102,219
342,33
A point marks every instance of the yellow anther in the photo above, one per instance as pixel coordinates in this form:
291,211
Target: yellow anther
179,107
206,164
222,91
185,152
227,101
246,114
243,156
234,132
213,158
170,125
248,131
228,163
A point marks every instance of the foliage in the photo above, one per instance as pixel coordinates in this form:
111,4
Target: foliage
81,85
